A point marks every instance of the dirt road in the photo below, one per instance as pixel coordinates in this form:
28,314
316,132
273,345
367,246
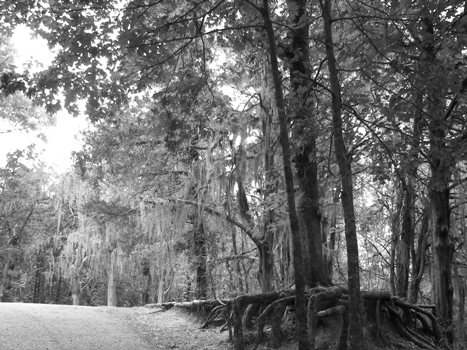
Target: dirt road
59,327
62,327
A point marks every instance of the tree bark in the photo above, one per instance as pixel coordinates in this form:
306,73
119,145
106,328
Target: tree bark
200,252
460,327
442,247
161,285
4,275
406,250
419,263
266,254
233,234
356,340
199,243
147,281
332,223
305,159
301,316
441,163
75,288
112,280
405,241
264,243
59,286
266,266
395,235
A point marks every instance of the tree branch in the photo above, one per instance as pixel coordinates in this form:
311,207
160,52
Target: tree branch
214,212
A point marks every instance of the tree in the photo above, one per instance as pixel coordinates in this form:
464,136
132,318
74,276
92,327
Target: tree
426,95
356,339
306,155
300,301
22,204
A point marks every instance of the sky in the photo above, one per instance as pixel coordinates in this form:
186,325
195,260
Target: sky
64,136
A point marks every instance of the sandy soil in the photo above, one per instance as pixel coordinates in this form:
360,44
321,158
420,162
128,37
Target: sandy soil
172,329
63,327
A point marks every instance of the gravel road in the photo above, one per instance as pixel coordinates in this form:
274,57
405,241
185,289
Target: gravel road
64,327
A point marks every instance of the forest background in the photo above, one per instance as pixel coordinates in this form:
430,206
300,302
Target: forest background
238,147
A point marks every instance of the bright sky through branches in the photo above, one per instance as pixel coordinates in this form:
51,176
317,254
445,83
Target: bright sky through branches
64,136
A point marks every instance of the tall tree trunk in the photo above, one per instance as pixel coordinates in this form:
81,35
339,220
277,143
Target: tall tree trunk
461,334
442,245
300,300
441,163
238,269
266,255
356,340
39,282
59,286
35,296
199,244
419,262
264,243
4,276
246,274
161,286
395,235
147,281
112,280
75,288
406,249
285,261
443,252
199,237
405,241
233,234
332,223
305,159
266,266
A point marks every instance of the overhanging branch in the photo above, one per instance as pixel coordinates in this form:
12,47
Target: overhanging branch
214,212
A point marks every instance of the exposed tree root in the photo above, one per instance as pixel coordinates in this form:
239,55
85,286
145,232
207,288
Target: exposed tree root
213,315
275,309
202,308
390,321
